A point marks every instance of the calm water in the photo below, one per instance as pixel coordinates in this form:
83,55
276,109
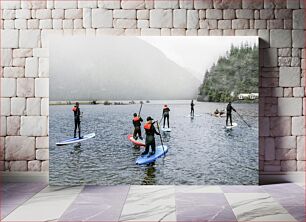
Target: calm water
201,151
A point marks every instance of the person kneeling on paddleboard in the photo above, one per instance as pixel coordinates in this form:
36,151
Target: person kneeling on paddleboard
77,119
166,111
229,109
150,139
137,126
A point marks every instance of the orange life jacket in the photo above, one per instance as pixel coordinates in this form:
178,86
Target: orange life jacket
147,126
135,119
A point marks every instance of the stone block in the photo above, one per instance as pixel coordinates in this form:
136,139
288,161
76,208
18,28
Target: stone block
298,19
13,125
285,142
208,24
288,92
109,32
269,149
227,4
41,87
245,14
298,126
68,24
150,32
33,106
142,24
271,168
25,87
73,13
143,14
224,24
295,62
20,23
179,18
178,32
264,126
46,24
10,5
11,72
42,142
124,14
19,62
33,4
43,70
293,4
31,67
45,165
5,107
289,76
58,13
3,131
29,38
298,38
102,18
301,166
214,14
280,126
166,4
186,4
240,24
34,165
283,13
18,106
57,23
280,38
20,148
290,106
9,38
78,26
285,154
125,23
301,148
299,92
202,14
191,32
252,4
288,24
109,4
203,4
8,87
88,4
284,52
192,19
33,24
42,154
87,18
165,32
34,126
8,24
8,14
264,38
132,4
160,18
43,14
288,165
266,14
18,166
270,57
45,107
66,4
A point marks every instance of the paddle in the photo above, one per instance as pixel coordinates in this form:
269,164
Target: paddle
140,109
242,119
161,140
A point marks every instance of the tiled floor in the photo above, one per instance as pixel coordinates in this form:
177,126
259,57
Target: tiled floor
39,202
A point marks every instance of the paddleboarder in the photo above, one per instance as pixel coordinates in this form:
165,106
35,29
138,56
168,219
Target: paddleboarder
150,139
137,126
192,108
229,109
77,119
166,111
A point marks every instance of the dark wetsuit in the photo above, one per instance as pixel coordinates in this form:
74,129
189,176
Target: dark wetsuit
150,139
192,109
229,109
137,124
166,111
77,120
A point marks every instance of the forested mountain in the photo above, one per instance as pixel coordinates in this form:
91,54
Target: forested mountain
236,72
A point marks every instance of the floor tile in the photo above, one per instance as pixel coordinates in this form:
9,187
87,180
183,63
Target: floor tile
203,207
97,203
283,188
47,205
242,189
257,207
150,203
298,212
198,189
289,199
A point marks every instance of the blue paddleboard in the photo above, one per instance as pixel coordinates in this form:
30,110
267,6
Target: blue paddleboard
76,140
160,151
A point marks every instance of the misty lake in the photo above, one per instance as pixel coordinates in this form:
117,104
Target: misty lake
201,151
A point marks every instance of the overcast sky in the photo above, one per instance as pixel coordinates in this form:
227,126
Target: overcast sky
197,53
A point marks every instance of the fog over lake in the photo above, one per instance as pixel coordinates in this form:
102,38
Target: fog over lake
123,68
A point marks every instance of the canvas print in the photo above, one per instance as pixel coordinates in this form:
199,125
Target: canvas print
153,110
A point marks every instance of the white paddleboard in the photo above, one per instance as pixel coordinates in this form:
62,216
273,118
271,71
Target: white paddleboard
76,140
192,116
231,127
166,129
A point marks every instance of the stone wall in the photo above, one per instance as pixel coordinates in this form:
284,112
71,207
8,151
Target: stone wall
27,25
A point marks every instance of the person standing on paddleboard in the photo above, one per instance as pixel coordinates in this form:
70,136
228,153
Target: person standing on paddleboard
166,111
229,109
150,139
192,108
137,126
77,119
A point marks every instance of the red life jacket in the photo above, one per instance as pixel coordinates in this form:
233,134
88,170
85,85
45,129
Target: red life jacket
147,126
135,119
74,109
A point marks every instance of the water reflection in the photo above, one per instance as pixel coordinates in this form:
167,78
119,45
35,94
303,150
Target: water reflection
149,179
